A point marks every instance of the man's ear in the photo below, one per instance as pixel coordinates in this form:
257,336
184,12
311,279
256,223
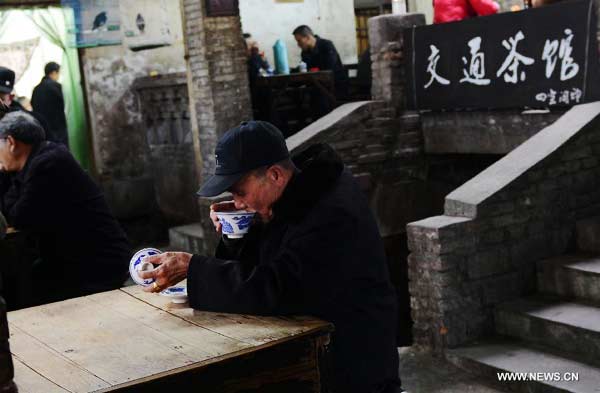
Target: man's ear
12,143
275,173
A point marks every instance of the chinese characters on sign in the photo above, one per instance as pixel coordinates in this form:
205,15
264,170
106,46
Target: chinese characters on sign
567,97
433,59
568,68
534,58
475,71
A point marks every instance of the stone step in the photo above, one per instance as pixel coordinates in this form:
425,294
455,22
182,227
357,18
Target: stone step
575,276
487,359
188,238
588,235
573,328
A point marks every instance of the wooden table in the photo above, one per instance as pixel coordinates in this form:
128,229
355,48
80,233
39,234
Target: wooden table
131,341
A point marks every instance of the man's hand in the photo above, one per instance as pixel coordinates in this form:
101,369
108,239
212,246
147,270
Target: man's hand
220,207
172,268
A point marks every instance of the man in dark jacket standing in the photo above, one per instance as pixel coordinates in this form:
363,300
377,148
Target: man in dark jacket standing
47,99
45,194
315,250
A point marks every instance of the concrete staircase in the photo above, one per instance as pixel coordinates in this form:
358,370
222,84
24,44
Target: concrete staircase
556,331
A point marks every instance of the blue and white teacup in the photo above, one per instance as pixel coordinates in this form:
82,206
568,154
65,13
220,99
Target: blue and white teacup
137,264
235,224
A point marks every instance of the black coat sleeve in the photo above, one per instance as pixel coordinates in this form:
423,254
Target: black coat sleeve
329,56
5,182
24,211
301,272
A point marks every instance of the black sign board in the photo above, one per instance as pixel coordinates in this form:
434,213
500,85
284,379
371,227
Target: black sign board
222,7
539,57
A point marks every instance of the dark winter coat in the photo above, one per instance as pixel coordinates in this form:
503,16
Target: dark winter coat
47,99
82,247
325,57
321,255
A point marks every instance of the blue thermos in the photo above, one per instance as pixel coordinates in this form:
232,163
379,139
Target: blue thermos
281,58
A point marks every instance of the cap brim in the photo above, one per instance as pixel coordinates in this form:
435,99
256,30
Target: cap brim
4,89
218,184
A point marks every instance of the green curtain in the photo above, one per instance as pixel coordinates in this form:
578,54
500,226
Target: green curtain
52,23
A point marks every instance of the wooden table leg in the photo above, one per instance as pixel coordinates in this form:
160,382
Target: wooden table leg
7,370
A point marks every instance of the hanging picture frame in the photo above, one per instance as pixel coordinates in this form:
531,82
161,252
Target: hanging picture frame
222,8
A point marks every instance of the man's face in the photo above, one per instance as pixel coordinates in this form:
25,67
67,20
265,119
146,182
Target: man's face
256,194
6,99
7,159
54,75
303,42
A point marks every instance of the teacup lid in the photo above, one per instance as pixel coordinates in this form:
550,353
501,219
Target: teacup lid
137,261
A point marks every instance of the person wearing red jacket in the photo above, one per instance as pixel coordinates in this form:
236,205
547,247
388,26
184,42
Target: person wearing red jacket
455,10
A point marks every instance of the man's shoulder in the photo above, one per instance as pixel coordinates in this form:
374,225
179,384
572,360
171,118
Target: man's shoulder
52,155
344,198
48,84
325,43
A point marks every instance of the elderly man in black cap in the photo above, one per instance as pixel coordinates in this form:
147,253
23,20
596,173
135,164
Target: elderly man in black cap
315,249
46,194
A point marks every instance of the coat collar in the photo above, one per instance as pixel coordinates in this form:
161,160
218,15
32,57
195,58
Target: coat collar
35,150
319,167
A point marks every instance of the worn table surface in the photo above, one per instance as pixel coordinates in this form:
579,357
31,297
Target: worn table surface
126,337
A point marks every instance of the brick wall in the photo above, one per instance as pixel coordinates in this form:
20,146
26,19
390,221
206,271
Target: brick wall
496,226
482,131
165,111
386,45
218,89
217,78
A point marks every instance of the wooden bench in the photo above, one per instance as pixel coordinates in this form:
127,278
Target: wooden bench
131,341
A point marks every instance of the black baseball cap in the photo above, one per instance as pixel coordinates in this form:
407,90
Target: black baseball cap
7,80
251,145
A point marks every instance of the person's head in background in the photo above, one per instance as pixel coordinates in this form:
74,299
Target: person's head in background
20,133
251,44
52,71
7,84
305,37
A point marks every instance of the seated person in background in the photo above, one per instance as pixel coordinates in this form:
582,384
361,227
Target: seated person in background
455,10
47,195
314,250
257,64
321,53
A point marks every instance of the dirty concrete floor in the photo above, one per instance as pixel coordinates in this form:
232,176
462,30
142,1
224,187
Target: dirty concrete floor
422,373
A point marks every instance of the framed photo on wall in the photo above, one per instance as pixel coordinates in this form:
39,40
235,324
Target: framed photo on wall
222,8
